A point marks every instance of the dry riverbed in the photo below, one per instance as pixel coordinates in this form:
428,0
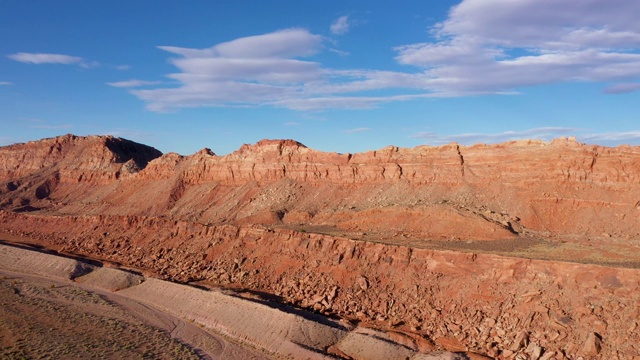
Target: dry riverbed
70,308
49,318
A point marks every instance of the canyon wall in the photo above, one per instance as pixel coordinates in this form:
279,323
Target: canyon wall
502,191
355,235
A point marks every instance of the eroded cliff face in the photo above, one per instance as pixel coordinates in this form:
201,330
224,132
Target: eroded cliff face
487,304
484,192
95,159
360,236
32,173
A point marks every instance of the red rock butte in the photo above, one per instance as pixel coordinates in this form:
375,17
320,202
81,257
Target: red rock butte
516,248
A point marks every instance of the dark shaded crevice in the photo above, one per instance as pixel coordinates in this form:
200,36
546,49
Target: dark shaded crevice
461,159
594,159
125,150
12,186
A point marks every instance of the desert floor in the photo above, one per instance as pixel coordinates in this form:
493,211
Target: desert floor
43,318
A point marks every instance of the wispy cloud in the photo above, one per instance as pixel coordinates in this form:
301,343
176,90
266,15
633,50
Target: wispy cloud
32,58
541,133
484,47
612,136
357,130
255,70
494,45
5,83
4,140
623,88
122,67
62,126
340,26
339,52
292,123
39,58
133,83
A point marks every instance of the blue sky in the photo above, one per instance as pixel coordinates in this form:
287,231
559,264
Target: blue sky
343,76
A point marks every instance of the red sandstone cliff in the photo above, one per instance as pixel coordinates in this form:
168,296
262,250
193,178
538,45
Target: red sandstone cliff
250,219
31,173
447,192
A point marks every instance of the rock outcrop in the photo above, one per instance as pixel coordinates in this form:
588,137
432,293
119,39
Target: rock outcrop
448,247
94,159
33,173
562,188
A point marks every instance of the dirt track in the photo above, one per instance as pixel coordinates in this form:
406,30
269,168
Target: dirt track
44,318
82,320
68,321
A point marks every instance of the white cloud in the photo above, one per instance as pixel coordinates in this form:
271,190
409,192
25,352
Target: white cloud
576,24
123,67
45,58
339,52
292,123
255,70
340,26
357,130
5,83
37,58
314,103
132,83
502,45
612,136
89,65
623,88
279,44
483,47
542,133
62,126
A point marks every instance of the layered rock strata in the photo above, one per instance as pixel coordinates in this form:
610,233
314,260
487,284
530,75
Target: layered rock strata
500,191
355,235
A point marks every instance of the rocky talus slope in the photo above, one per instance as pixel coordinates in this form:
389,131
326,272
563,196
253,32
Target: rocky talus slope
446,247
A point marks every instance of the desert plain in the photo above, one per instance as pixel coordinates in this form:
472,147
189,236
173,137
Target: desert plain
519,250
